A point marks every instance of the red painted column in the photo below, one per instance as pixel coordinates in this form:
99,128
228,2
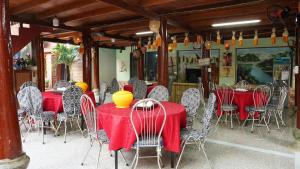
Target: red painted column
141,68
10,139
162,60
96,82
87,58
297,76
38,51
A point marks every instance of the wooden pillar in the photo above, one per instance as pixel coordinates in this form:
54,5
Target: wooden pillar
87,57
297,76
204,73
38,52
11,154
162,60
140,68
96,82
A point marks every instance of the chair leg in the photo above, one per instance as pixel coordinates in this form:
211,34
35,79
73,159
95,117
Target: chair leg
135,160
100,145
219,119
123,157
275,116
79,126
231,123
65,136
58,127
180,155
87,153
203,150
252,127
246,120
264,118
43,132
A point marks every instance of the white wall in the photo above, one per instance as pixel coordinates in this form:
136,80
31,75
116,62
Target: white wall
125,58
107,64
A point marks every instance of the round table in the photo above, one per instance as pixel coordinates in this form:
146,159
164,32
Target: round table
117,125
52,101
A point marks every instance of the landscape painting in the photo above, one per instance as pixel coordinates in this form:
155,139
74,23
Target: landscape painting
256,64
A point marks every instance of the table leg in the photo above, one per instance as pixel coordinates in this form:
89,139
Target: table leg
116,159
82,122
44,128
172,159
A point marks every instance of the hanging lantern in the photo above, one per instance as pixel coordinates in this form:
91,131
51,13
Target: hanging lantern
255,40
285,35
233,39
186,40
199,39
241,40
174,42
149,43
77,40
139,45
81,49
273,36
154,26
218,38
227,46
207,45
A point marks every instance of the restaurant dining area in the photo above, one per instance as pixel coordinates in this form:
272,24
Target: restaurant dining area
149,84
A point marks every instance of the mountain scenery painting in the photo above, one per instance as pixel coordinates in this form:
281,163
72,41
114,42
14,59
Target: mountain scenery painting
256,64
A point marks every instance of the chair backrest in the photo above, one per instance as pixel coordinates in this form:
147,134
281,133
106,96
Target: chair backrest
103,90
261,97
71,100
212,87
159,93
114,86
89,113
140,89
225,95
36,100
27,83
133,80
243,84
148,123
283,91
23,100
61,83
209,109
191,100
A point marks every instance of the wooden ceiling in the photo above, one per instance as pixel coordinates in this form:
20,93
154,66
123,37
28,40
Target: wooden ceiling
121,19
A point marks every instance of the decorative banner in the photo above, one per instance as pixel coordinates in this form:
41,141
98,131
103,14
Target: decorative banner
285,35
273,36
218,38
233,39
255,40
186,39
174,42
241,41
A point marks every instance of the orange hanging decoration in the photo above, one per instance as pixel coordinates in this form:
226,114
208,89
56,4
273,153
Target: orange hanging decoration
255,40
139,45
158,40
285,35
186,40
174,42
218,38
154,26
273,36
233,39
199,39
149,43
241,40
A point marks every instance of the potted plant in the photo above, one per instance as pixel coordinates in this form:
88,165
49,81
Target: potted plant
66,56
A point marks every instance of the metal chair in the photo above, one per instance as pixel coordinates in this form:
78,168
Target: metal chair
61,83
191,100
39,116
148,124
114,86
140,89
95,135
261,98
133,80
198,137
201,108
243,84
159,93
28,83
277,109
103,90
225,95
212,87
72,111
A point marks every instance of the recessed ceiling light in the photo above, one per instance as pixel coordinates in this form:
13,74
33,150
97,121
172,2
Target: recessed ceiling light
144,33
235,23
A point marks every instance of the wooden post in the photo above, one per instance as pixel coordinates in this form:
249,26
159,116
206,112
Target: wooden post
140,68
38,52
204,73
11,154
96,82
297,76
162,61
87,57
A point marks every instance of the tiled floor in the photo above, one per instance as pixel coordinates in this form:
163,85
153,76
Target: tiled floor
226,149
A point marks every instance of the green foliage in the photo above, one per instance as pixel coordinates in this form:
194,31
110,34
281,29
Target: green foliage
249,57
65,55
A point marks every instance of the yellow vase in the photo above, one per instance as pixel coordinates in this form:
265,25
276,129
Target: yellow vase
122,99
82,85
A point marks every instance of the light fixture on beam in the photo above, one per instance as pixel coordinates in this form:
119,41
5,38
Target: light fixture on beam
245,22
144,33
55,21
113,40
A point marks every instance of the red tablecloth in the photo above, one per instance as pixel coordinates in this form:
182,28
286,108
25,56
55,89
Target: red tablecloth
129,88
241,100
52,101
117,125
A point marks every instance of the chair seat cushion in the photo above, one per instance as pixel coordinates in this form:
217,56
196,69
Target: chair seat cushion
21,113
48,116
152,142
227,107
255,109
102,136
191,135
62,116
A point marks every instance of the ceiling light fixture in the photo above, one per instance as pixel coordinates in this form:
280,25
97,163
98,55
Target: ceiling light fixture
236,23
113,40
144,33
55,21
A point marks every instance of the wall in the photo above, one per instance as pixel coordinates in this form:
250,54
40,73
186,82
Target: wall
107,64
125,58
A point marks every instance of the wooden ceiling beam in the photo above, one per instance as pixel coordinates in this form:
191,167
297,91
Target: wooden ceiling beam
105,24
27,6
63,8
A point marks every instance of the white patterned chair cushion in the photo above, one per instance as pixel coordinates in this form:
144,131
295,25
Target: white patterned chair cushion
151,142
102,136
159,93
133,80
228,107
48,116
140,89
61,83
103,90
28,83
71,100
24,102
114,86
191,101
62,116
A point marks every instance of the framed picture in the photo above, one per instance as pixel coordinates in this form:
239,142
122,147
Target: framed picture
256,64
227,70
